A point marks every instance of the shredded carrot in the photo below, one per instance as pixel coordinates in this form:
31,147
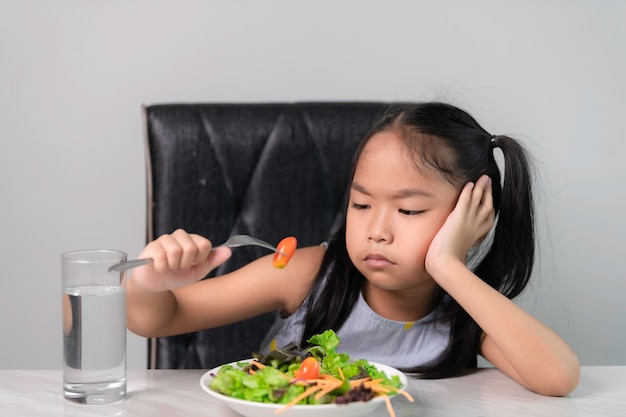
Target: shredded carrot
297,381
299,398
323,379
356,382
330,386
378,388
343,378
257,364
389,407
330,378
400,391
374,381
309,381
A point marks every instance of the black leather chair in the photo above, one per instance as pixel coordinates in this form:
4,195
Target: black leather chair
268,170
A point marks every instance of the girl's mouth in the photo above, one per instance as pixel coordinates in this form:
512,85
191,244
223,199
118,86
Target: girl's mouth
374,260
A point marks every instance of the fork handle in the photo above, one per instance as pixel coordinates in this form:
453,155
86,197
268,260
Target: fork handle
130,264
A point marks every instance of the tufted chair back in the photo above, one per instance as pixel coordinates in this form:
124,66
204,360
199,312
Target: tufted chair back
267,170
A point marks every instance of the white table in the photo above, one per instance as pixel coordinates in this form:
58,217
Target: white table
172,393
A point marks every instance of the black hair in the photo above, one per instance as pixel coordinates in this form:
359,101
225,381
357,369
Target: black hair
451,141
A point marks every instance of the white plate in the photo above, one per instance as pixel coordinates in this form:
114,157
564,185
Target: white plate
257,409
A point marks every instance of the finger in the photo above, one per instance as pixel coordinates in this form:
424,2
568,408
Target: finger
215,258
486,212
486,205
203,247
172,250
189,249
478,192
481,204
465,196
156,251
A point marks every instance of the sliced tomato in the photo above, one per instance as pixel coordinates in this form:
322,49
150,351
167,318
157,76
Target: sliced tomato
287,246
309,369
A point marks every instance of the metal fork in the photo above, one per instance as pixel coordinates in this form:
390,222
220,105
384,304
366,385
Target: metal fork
232,242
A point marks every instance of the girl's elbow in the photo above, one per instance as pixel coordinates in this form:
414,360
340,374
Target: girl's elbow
570,379
561,380
142,326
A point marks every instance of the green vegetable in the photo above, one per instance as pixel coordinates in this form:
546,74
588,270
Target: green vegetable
272,381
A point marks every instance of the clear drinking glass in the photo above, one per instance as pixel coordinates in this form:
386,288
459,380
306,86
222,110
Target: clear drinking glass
94,327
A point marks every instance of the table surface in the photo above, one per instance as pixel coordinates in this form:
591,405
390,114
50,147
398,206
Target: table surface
171,393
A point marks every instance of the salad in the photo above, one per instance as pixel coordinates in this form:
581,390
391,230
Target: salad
314,375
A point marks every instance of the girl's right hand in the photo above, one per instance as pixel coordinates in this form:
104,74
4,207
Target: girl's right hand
469,222
180,259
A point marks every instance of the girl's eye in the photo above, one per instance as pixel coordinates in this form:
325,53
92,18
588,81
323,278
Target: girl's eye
360,206
411,212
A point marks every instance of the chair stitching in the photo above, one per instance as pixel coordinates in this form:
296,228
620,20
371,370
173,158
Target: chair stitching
268,140
213,140
316,142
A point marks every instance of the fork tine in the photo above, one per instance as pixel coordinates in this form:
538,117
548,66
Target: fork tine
243,240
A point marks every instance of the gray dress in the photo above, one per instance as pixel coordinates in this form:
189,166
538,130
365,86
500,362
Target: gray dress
367,335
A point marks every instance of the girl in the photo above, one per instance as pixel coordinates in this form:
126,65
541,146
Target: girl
418,277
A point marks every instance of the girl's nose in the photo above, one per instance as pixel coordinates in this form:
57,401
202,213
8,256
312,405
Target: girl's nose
378,236
380,230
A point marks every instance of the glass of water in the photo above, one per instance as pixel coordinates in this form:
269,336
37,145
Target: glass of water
94,327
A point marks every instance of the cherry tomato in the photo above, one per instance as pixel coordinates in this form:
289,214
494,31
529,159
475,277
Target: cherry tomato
288,247
309,369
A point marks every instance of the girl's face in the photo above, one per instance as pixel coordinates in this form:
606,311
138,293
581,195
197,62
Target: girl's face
394,213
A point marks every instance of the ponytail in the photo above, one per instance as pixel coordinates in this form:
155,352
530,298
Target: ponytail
508,264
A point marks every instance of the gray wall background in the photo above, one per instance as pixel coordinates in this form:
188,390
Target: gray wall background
74,75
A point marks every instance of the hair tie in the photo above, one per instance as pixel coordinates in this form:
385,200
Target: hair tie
493,141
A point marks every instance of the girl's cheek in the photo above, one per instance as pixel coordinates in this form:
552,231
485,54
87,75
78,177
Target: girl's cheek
352,231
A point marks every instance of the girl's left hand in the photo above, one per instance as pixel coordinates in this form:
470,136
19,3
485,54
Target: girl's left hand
472,218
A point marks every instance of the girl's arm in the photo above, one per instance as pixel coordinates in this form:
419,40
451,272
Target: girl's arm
515,342
167,298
